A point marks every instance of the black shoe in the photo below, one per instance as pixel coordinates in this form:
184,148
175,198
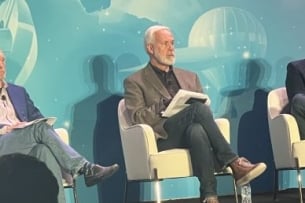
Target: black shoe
94,173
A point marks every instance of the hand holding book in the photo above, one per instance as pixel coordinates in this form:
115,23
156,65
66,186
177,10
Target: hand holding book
182,99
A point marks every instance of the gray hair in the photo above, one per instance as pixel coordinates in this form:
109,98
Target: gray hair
150,32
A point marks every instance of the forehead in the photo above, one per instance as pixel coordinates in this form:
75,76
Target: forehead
164,35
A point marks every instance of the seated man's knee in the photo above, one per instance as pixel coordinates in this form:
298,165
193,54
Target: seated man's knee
298,102
195,131
40,149
194,128
202,108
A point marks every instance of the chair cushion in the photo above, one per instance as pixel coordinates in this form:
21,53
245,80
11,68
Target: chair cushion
168,166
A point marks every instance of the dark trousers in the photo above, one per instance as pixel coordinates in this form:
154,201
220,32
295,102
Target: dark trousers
298,111
194,128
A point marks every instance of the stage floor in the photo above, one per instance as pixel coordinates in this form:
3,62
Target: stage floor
286,196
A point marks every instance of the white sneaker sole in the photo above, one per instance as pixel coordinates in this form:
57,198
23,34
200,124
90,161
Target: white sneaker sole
258,170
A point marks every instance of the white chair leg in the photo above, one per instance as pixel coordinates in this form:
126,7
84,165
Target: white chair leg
158,191
157,187
299,176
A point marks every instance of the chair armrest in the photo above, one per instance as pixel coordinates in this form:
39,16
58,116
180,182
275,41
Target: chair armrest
283,133
63,134
138,142
224,126
299,152
287,125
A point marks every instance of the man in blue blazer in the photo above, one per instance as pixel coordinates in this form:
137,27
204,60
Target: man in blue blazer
149,91
295,87
39,139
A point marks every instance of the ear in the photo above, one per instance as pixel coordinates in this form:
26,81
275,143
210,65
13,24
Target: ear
150,48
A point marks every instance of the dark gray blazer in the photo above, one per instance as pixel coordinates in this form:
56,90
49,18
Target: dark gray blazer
144,91
295,78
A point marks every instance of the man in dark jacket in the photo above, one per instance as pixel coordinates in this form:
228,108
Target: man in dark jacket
295,86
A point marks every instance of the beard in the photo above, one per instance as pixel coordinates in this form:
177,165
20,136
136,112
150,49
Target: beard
165,60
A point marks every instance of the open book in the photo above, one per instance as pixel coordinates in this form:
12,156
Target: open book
182,99
48,120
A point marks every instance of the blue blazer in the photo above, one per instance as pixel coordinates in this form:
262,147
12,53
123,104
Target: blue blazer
23,105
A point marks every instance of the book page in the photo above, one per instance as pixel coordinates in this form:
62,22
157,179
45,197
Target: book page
182,99
48,120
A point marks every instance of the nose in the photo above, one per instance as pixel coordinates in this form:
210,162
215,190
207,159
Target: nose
171,46
2,68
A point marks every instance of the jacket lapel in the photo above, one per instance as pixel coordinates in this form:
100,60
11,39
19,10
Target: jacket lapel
180,78
155,82
17,99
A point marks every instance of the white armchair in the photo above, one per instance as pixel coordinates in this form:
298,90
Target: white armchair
288,149
143,162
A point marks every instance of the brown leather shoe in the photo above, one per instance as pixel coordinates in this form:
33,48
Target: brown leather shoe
95,173
244,171
212,199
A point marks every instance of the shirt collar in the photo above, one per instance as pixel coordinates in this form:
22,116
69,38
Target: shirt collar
159,71
4,84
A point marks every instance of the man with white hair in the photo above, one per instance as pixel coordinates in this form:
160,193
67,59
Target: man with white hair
149,91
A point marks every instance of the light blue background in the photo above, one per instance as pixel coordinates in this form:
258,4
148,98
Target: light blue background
73,55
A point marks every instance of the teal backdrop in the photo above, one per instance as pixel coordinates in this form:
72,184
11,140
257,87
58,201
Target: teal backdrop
72,56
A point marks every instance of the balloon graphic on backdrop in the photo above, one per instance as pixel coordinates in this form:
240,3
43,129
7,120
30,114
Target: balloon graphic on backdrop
18,39
229,34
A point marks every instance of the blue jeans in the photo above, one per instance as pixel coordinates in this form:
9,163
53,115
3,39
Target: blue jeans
297,109
194,128
41,141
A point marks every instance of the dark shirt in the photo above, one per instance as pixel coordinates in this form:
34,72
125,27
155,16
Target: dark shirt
168,79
